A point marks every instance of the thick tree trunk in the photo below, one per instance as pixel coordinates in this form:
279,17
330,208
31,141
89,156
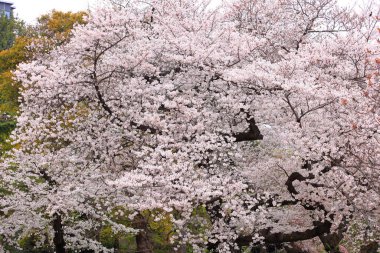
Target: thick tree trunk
59,241
294,248
331,242
371,247
144,245
143,240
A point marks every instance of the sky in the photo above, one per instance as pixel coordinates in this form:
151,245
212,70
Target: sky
29,10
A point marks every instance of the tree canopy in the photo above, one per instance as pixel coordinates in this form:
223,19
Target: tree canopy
10,27
254,122
45,36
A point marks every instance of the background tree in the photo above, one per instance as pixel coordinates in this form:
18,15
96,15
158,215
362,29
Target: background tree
59,24
10,27
365,229
33,41
52,29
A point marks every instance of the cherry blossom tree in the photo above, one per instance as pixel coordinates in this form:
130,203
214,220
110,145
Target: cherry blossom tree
364,155
252,110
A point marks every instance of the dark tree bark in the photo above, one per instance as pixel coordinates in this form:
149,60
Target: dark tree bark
371,247
143,240
278,238
144,245
252,134
294,248
329,239
331,242
59,241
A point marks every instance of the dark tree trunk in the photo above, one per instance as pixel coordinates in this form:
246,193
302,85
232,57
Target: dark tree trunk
59,241
331,242
371,247
294,248
144,245
182,248
143,240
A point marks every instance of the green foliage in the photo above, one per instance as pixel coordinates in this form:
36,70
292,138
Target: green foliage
120,215
121,241
29,243
200,220
124,242
7,34
107,237
52,29
21,186
160,229
4,192
6,128
9,89
15,39
10,58
58,23
9,29
127,244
